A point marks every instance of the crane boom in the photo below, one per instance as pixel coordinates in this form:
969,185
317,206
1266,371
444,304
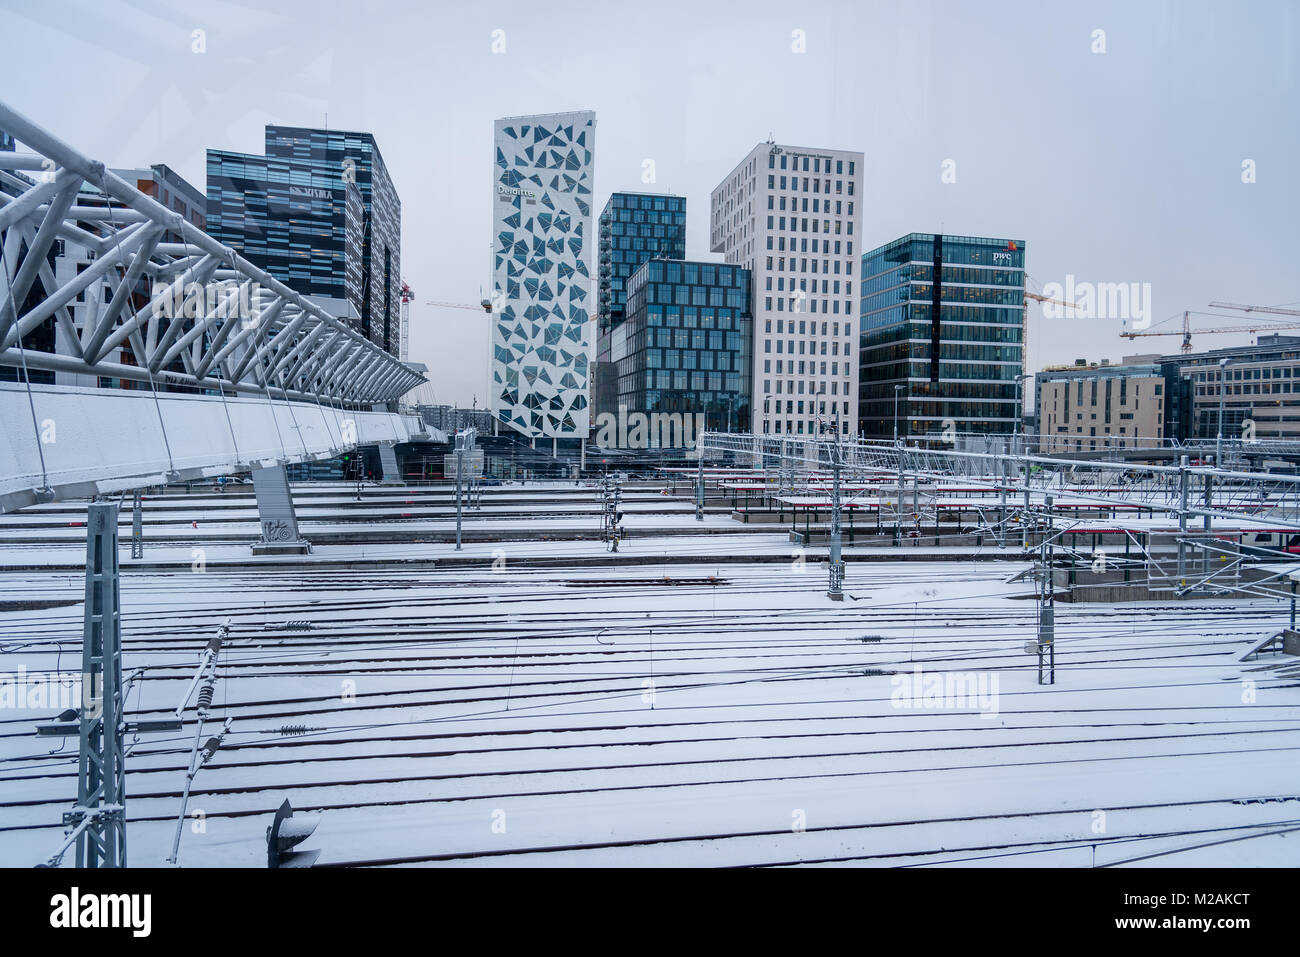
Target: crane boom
1276,310
1218,329
1186,331
484,306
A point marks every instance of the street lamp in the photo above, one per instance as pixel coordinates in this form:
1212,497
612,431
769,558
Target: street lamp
897,391
1223,391
1020,405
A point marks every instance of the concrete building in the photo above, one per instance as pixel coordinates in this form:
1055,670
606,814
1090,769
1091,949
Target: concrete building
541,331
942,336
1139,403
792,216
1262,383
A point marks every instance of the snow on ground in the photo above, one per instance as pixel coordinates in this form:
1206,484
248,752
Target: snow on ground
588,715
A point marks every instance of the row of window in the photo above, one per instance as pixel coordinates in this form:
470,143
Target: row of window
803,304
827,287
790,384
819,164
777,244
800,264
799,224
780,182
807,328
818,205
815,427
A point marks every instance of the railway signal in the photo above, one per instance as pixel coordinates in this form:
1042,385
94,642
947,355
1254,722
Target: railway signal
611,518
286,832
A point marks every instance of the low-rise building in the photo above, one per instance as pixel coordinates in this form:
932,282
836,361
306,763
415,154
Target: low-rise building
1138,403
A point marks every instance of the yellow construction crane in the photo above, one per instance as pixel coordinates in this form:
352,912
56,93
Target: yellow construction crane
484,306
1186,331
1024,318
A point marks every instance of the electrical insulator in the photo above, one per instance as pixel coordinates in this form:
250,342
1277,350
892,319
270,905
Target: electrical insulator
205,697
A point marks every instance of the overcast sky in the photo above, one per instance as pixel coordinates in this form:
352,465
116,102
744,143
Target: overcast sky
1122,166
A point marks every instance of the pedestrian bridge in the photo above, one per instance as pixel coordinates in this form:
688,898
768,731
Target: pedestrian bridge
223,367
61,442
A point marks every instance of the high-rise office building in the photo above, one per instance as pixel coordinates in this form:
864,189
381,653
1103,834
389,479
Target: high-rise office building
793,217
634,227
541,332
942,336
320,213
683,347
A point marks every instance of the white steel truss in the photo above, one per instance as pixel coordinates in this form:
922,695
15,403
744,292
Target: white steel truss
248,333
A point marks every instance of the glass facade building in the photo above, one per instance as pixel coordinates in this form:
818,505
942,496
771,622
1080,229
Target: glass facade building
942,319
634,227
685,343
320,213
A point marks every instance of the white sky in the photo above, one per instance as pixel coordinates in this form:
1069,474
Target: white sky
1115,167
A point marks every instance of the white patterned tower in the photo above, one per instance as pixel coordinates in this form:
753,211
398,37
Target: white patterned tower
541,273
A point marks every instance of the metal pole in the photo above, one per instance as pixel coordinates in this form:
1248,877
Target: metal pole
137,526
1046,606
898,503
1223,391
1209,497
1024,520
101,774
1002,491
836,585
1182,522
699,487
460,469
916,505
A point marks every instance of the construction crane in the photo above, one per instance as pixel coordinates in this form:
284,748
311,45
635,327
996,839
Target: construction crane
1186,331
484,306
1024,317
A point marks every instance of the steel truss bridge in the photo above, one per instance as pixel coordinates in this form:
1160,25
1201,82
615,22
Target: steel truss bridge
247,374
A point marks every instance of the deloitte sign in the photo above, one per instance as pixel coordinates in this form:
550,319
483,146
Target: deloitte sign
510,192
